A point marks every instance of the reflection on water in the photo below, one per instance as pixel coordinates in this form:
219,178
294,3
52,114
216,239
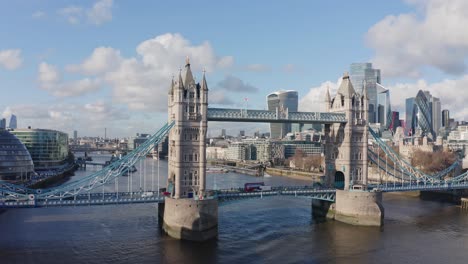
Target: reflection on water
270,230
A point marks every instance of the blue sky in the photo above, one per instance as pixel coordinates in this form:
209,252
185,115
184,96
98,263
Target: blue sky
87,65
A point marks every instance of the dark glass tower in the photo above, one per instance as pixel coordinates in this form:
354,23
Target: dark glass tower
276,101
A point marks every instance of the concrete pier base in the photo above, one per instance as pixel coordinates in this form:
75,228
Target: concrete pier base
323,210
359,208
188,219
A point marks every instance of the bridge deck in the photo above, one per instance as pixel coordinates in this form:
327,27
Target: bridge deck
243,115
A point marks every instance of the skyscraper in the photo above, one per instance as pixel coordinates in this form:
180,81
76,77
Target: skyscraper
282,100
75,135
445,118
363,74
13,123
423,114
3,123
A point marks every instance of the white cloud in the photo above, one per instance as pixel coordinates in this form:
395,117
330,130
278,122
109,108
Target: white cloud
140,82
10,59
73,14
99,13
435,35
38,14
257,67
103,59
314,100
50,80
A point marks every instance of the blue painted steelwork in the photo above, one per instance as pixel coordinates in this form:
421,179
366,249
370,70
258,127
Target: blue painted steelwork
247,115
153,197
95,180
417,180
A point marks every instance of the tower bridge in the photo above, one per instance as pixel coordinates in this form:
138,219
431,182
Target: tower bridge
190,211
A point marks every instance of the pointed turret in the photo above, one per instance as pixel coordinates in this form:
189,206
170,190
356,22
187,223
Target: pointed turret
204,85
188,74
346,88
327,95
181,82
171,89
364,90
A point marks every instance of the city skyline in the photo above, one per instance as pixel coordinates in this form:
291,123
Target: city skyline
69,65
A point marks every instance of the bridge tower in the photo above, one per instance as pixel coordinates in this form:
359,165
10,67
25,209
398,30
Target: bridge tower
346,144
188,213
346,160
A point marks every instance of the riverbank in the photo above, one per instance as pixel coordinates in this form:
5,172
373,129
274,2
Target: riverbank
299,175
56,179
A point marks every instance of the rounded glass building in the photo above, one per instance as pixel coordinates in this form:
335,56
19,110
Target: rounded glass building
15,160
48,148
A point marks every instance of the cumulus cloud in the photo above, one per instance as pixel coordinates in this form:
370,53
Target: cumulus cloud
314,100
103,59
140,82
98,14
50,80
434,35
73,14
10,59
234,84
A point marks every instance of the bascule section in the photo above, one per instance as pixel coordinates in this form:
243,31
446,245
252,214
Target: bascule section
188,213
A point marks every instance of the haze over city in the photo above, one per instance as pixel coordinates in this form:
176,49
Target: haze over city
69,65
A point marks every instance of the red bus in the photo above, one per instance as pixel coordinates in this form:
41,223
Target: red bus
253,186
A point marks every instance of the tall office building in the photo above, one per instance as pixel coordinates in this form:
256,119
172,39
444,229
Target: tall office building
445,118
13,123
423,115
363,74
3,123
75,135
282,101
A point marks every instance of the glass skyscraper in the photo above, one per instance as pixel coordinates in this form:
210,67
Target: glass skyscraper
276,101
363,73
423,115
13,123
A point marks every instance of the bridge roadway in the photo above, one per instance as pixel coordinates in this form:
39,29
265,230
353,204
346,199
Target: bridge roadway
153,197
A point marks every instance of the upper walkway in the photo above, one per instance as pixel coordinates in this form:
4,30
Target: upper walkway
247,115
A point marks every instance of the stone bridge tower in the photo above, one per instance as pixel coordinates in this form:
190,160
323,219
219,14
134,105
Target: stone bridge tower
188,213
346,144
188,103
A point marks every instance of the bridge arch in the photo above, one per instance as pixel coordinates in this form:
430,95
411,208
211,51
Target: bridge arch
339,180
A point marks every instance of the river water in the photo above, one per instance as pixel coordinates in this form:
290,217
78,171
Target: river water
270,230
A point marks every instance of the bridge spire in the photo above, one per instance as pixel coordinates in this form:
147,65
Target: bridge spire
204,85
181,82
188,74
327,95
364,90
346,87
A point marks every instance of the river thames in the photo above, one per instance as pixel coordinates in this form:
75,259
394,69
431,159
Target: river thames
270,230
